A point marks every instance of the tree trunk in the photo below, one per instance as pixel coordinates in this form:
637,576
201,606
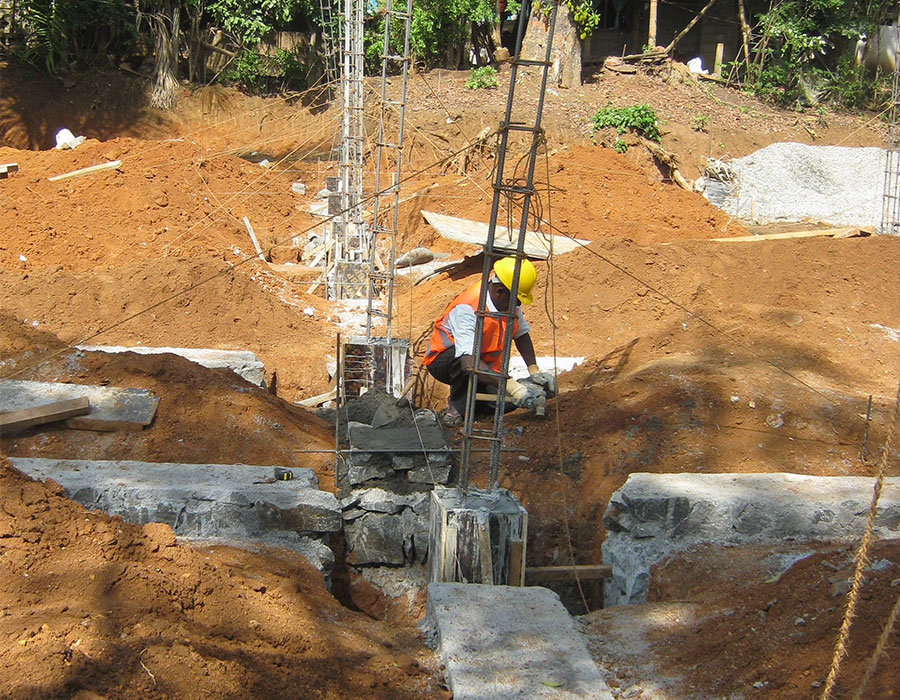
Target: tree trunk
745,34
165,74
195,47
565,55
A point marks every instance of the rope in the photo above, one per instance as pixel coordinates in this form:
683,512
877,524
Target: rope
556,411
879,650
840,649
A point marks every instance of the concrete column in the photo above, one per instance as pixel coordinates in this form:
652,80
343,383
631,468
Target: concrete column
477,538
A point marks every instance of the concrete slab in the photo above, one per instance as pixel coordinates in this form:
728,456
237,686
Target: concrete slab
537,245
505,643
112,408
395,440
242,362
200,501
654,515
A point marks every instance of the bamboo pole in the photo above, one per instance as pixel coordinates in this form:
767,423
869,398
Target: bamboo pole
690,26
651,30
745,33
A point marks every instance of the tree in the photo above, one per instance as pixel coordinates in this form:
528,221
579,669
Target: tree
801,41
165,23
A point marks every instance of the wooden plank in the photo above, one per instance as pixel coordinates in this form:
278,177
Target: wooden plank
112,408
485,559
537,245
112,165
448,555
316,400
516,564
46,413
846,232
259,252
585,572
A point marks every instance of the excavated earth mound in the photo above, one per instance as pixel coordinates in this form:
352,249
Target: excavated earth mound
96,608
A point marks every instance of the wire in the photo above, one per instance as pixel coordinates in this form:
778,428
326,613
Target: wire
229,270
689,312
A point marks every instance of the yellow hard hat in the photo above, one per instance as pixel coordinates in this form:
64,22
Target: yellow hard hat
504,268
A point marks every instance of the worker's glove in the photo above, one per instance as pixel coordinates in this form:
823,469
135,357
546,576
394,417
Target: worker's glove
521,395
544,379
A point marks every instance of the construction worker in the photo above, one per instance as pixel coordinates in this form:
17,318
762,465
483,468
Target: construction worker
449,358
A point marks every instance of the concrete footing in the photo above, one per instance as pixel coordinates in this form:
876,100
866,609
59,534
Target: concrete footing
242,362
509,643
477,537
237,504
655,515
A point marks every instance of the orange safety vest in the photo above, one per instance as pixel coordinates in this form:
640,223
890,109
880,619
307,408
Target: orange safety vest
491,335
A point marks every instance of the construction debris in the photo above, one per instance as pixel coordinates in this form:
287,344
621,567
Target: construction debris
233,503
508,643
112,408
112,165
243,363
654,516
46,413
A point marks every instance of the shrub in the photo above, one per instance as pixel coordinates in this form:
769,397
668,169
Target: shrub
641,119
484,77
247,70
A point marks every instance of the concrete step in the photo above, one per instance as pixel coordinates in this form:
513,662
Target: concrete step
205,502
656,515
506,643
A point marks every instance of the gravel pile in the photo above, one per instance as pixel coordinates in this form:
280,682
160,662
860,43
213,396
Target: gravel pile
795,182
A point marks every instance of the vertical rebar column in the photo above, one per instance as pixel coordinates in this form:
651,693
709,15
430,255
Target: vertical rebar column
349,236
504,186
890,204
389,144
329,46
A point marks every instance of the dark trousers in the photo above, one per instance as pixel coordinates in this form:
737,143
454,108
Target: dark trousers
447,369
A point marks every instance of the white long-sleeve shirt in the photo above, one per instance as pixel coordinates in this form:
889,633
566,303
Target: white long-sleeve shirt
461,324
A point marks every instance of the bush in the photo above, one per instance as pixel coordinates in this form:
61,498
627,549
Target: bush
639,118
849,87
292,71
484,77
248,71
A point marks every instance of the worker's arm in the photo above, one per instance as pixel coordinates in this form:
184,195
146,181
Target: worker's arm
526,349
516,392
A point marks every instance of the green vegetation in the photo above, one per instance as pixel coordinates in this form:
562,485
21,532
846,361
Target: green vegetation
795,62
640,119
438,29
62,36
800,52
482,78
700,122
251,20
586,18
247,69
